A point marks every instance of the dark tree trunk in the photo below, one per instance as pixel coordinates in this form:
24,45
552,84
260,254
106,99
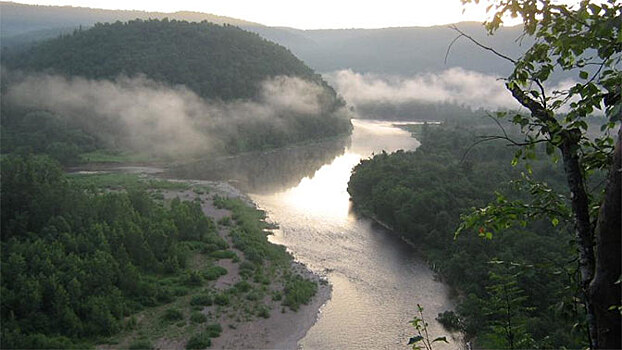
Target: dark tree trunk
604,292
583,231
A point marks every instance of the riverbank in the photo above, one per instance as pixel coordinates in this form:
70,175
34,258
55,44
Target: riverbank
284,328
256,315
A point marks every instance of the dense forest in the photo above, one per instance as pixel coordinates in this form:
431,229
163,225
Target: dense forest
215,61
82,255
517,290
238,77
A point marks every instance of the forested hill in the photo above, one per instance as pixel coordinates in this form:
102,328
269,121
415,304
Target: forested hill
214,61
163,88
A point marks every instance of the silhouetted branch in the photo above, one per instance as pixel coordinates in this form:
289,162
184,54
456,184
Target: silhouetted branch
463,34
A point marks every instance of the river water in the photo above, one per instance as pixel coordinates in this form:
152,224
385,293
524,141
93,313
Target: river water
377,279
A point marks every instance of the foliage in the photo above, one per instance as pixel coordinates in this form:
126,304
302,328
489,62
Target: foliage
422,337
141,344
198,317
583,40
199,341
450,321
76,262
213,330
298,291
218,63
422,194
249,234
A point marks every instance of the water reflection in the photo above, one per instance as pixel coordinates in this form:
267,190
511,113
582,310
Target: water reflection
377,279
268,171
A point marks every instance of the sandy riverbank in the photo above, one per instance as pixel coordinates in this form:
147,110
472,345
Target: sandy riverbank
284,328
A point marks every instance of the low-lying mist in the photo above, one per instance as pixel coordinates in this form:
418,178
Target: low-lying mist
147,116
455,86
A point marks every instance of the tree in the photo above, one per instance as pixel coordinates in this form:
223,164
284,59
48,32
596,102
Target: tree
582,39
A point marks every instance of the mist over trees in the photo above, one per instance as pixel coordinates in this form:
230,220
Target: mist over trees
169,88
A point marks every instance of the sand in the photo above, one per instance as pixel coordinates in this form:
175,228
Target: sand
284,328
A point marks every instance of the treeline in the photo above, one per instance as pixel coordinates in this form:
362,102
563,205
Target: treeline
417,110
517,289
76,262
218,63
215,61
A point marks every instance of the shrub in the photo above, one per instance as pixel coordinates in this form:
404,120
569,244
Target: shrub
213,272
198,317
141,344
221,299
450,321
214,330
172,315
263,311
298,291
242,287
199,341
202,300
223,254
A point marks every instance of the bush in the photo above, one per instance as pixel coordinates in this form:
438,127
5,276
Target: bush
298,291
225,221
193,278
450,321
223,254
141,344
213,272
221,299
172,315
242,287
199,341
213,330
202,300
198,317
263,311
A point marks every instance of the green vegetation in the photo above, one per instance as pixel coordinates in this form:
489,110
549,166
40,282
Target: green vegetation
298,291
218,63
104,255
422,194
249,235
92,258
215,61
199,341
581,40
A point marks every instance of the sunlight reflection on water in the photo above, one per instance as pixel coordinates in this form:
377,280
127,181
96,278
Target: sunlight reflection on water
377,279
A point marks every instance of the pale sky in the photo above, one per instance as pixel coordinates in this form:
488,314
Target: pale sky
308,14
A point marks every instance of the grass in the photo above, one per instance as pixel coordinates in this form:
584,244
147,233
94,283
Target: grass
249,233
109,156
122,181
298,291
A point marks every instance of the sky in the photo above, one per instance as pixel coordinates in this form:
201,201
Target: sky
308,14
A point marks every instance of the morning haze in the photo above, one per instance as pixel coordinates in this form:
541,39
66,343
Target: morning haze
316,175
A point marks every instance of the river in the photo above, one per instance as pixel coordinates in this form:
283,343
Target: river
377,278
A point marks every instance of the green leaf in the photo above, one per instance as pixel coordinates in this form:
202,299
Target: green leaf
415,339
583,74
555,221
440,339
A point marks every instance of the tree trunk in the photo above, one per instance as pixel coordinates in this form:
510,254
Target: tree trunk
583,230
604,292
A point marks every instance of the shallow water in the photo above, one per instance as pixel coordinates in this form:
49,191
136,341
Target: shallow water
377,278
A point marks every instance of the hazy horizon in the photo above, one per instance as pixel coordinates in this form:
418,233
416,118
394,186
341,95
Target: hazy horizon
306,16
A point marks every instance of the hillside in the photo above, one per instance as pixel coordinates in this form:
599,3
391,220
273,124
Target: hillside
211,87
402,51
214,61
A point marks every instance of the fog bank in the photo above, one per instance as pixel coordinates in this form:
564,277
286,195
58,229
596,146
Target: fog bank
149,116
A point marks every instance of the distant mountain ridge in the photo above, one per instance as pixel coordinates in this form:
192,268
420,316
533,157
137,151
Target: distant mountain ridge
399,51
